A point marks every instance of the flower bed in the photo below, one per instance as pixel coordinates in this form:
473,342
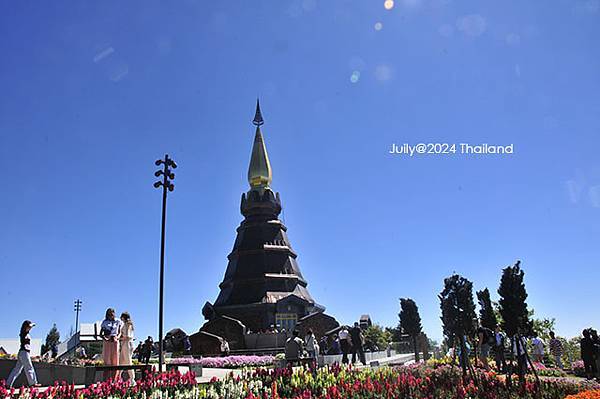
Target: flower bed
593,394
228,362
406,382
335,382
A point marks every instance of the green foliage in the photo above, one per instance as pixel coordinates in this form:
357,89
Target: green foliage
513,307
542,327
52,339
377,335
487,317
458,308
410,321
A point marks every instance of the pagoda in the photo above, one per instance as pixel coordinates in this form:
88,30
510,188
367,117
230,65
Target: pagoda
263,287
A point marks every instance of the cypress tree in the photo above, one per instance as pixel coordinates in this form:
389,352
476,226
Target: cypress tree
410,322
487,317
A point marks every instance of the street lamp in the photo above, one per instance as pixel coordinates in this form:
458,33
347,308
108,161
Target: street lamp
166,184
77,308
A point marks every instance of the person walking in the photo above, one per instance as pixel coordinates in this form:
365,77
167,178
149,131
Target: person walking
294,348
344,336
110,330
499,347
126,346
24,358
310,342
357,344
485,337
556,350
147,350
537,351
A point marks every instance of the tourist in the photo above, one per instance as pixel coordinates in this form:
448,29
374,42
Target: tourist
126,348
537,352
499,347
335,348
463,351
294,348
345,345
587,354
187,345
24,358
556,350
323,345
225,347
520,352
147,350
110,331
310,342
486,338
357,344
596,342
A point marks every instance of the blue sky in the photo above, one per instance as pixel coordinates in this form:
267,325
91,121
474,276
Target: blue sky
94,92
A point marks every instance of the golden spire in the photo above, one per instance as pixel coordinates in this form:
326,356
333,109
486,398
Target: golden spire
259,172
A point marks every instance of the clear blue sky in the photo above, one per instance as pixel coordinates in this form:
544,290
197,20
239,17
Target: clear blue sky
94,92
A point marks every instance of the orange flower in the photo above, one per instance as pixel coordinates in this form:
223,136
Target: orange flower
593,394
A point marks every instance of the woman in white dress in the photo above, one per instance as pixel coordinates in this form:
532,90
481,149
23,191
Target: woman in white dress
126,341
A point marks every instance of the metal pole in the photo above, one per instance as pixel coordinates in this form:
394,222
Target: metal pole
77,309
162,267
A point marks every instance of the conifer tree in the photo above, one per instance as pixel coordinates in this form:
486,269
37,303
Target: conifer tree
513,308
487,317
410,322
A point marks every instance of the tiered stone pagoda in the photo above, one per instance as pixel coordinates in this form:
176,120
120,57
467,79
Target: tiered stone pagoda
263,286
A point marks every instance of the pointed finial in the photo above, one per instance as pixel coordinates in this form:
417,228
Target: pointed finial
258,119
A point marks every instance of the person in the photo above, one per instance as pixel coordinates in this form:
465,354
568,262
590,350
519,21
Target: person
357,344
463,356
323,345
310,342
187,345
537,351
499,345
147,350
110,330
225,347
485,337
294,347
587,354
556,350
520,352
344,336
126,348
24,358
388,349
335,348
596,342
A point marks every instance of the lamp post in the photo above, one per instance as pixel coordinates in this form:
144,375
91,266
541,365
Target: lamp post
167,186
77,308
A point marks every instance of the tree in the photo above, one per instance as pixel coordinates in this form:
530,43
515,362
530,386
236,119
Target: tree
513,307
458,308
52,339
410,322
487,317
375,335
458,313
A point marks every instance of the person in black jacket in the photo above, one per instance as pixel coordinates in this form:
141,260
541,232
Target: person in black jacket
357,344
24,358
587,354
